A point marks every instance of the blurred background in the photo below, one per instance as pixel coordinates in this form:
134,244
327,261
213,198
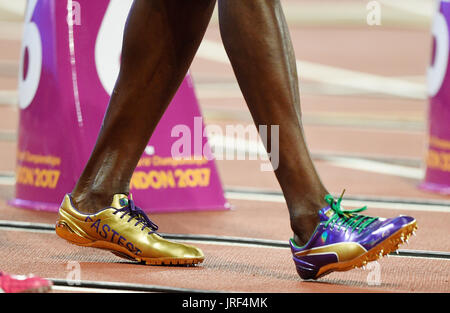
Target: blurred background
362,67
362,84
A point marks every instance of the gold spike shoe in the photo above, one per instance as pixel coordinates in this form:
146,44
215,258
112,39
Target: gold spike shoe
125,230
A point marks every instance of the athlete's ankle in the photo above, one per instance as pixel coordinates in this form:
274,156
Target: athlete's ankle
303,228
304,219
90,202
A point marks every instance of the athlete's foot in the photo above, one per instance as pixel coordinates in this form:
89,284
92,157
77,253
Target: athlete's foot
344,240
125,230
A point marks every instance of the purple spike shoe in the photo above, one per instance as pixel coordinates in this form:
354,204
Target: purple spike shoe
344,240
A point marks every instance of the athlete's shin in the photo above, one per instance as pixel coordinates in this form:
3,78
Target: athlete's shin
257,40
160,40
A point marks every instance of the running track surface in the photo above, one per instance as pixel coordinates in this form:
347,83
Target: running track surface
345,126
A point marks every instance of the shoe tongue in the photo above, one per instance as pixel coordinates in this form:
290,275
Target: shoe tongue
325,213
119,201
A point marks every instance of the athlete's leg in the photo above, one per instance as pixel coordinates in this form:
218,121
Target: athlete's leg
258,44
160,41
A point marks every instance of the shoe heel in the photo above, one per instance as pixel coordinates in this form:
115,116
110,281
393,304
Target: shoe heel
64,231
305,270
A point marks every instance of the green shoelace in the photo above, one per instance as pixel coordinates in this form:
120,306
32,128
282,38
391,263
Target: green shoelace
347,218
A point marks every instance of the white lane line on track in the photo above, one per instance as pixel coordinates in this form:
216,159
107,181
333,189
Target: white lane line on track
376,167
345,202
255,148
214,51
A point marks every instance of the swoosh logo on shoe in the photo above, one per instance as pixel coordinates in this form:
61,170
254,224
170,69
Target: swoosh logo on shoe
345,251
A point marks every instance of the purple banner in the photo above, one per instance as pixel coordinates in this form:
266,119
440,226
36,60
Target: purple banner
437,176
70,61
